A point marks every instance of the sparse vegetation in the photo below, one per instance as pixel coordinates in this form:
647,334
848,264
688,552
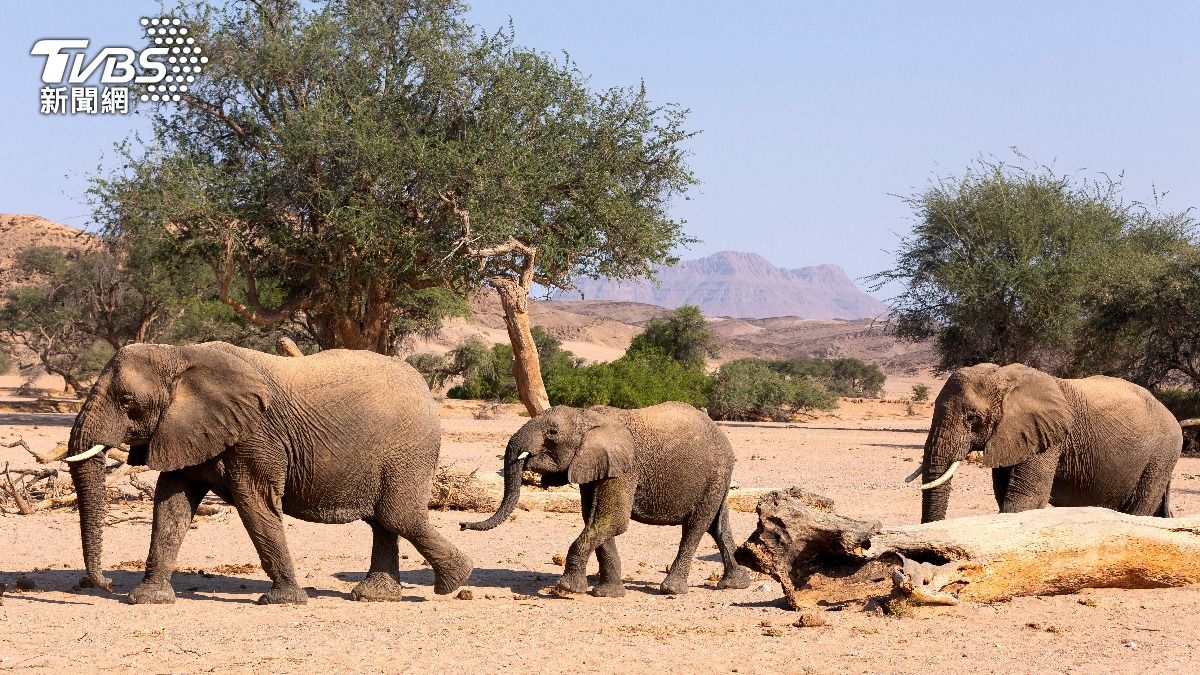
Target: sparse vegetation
920,392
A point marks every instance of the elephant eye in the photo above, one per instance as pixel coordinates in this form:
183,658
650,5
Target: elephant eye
972,417
126,400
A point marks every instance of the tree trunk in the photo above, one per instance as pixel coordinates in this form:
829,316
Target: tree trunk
819,556
527,367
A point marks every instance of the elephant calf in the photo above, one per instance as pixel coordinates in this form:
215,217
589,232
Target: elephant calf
1096,441
330,438
663,465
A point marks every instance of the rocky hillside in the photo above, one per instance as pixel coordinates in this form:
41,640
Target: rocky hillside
744,285
18,231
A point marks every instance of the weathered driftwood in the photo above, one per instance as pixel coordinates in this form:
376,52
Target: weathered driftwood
459,490
819,556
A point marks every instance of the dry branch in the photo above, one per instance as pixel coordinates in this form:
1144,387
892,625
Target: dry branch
17,494
823,556
288,347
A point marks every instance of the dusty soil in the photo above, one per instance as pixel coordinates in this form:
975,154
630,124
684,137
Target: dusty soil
858,455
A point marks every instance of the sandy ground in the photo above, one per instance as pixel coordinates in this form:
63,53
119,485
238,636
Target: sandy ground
857,455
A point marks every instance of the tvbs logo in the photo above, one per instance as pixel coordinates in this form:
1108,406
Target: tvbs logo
166,68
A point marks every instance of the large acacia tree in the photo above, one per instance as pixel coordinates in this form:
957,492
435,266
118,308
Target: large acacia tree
1000,262
355,160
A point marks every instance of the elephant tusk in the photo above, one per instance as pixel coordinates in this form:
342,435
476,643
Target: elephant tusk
912,476
523,455
943,478
84,455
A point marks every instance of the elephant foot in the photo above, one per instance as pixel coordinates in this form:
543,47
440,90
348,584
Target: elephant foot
378,587
147,593
610,589
284,595
100,582
736,578
447,577
673,586
572,583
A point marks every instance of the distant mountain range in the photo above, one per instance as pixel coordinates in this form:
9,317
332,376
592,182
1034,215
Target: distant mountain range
742,285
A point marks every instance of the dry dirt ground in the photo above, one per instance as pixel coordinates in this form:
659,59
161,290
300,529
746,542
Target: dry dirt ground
858,456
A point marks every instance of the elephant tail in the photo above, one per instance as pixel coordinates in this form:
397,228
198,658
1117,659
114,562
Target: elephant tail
1164,510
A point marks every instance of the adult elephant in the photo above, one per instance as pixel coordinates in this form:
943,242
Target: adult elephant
331,438
663,465
1096,441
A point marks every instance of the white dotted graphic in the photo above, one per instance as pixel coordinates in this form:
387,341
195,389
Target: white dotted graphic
168,32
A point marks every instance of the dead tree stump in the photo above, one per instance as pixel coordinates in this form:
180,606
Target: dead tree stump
822,556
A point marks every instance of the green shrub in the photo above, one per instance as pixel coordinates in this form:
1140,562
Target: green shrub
920,392
632,381
751,389
432,367
1183,403
486,371
682,336
6,362
842,377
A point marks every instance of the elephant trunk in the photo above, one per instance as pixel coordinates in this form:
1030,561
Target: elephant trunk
92,428
514,466
943,451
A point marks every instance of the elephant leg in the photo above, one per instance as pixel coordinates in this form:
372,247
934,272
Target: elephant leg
1151,495
676,582
612,504
262,515
1030,483
382,582
734,575
175,502
451,567
609,585
1000,485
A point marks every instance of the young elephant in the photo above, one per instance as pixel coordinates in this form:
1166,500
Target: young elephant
663,465
330,438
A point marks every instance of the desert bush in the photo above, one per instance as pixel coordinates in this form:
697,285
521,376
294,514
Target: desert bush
432,367
683,336
1183,403
632,381
843,376
750,389
920,392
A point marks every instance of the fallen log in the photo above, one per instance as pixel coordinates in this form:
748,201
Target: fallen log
819,556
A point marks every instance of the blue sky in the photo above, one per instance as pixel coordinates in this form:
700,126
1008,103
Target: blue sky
813,114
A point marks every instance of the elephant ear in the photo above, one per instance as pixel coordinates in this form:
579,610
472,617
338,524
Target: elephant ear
605,452
215,402
1034,416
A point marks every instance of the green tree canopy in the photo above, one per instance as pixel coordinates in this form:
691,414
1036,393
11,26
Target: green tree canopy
998,266
348,156
683,336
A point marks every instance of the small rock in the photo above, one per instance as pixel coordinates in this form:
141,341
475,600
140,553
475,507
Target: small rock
1130,643
1088,602
810,621
762,588
772,632
465,594
26,584
714,577
558,559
